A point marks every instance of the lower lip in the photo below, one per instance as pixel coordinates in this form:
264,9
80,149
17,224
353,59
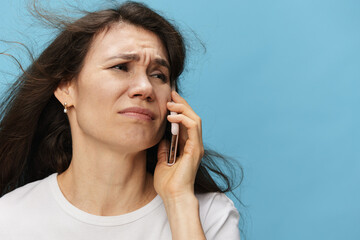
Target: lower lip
137,116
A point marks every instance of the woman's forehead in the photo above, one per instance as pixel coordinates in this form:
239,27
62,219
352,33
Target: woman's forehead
126,38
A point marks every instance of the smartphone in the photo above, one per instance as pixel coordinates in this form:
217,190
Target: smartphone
174,141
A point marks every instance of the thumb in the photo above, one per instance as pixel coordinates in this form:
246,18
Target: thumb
163,151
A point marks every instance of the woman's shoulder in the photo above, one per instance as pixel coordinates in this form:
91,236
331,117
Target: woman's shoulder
214,201
211,203
21,208
218,215
24,196
20,193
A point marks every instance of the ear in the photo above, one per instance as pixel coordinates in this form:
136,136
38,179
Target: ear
65,93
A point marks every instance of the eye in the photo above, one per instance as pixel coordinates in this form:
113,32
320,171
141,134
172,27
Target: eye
121,67
161,76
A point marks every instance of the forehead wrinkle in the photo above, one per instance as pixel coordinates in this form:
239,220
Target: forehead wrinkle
159,55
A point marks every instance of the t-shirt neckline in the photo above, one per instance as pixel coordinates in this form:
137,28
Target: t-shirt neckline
95,219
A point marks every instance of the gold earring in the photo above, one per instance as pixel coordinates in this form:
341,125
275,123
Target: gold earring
65,108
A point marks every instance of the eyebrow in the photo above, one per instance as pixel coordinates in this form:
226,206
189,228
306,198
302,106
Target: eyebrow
136,57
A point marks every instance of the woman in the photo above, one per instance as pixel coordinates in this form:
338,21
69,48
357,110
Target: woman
83,152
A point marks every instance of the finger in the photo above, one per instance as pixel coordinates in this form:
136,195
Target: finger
182,109
178,99
192,127
163,149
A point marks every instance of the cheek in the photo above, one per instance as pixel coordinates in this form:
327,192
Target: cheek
95,102
99,89
163,98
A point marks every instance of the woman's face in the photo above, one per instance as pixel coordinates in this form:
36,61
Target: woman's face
121,92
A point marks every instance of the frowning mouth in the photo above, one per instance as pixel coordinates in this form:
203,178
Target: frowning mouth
138,113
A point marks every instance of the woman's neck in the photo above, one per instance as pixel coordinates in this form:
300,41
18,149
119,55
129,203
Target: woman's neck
107,183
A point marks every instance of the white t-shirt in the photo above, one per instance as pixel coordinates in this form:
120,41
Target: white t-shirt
39,211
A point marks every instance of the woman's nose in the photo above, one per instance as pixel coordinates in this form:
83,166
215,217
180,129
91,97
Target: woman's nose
141,87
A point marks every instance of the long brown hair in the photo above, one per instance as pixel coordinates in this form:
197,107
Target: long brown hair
35,137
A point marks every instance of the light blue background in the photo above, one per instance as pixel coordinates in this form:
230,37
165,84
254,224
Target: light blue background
279,90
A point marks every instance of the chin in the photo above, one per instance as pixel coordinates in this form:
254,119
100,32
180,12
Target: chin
135,139
135,144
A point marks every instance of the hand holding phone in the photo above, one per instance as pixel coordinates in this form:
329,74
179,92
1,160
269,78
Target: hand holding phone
175,172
